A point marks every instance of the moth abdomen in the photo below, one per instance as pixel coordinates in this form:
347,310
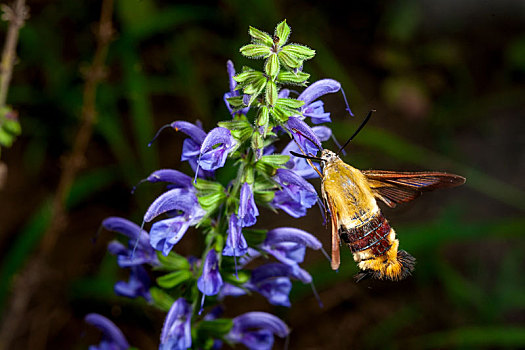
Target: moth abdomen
372,234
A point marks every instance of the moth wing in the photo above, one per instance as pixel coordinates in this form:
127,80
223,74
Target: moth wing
336,241
394,187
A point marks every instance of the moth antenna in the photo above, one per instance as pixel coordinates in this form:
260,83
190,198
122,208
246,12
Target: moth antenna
304,154
367,118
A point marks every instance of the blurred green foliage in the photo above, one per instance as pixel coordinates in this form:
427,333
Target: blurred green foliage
446,98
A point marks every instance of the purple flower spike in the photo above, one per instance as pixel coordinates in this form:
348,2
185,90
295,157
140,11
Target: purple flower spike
235,243
176,332
112,337
210,282
304,135
143,254
256,329
248,211
233,92
296,195
215,148
137,286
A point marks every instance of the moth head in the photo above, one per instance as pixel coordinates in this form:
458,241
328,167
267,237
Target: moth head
328,157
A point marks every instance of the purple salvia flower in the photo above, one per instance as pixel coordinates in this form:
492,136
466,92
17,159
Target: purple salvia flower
315,110
256,329
299,165
175,178
112,337
276,290
137,286
232,92
235,243
215,148
166,233
304,135
274,270
288,244
248,211
143,254
296,195
210,281
176,332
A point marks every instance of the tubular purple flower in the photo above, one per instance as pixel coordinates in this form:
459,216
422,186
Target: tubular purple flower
256,329
210,281
296,195
288,244
112,337
304,135
248,211
232,93
174,177
276,290
274,270
137,286
166,233
215,148
235,243
143,254
318,89
176,332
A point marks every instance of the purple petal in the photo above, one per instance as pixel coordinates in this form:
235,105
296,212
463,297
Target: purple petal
231,73
318,89
190,150
231,290
304,135
291,234
274,270
176,332
263,320
176,199
217,136
111,333
137,285
316,112
125,227
210,282
248,211
172,176
235,243
194,132
166,233
276,290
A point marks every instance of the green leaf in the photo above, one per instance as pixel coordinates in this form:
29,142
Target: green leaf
263,117
255,51
286,77
288,60
212,201
282,31
247,75
280,114
260,36
271,93
300,52
289,103
241,278
208,186
12,126
173,261
275,160
272,66
264,196
216,328
161,299
174,278
255,89
235,102
257,142
6,139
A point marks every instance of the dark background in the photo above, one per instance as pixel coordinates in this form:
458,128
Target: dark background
447,79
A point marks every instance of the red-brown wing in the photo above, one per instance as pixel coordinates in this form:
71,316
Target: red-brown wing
400,187
336,242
